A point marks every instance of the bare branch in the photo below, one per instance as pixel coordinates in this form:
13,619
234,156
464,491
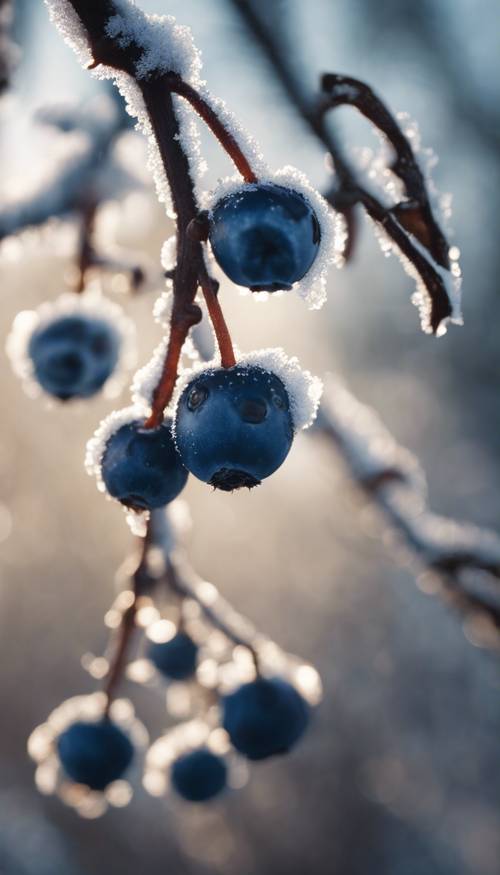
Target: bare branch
464,559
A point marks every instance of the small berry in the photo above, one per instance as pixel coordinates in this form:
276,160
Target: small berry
233,426
264,236
95,754
73,356
176,659
199,775
265,717
141,466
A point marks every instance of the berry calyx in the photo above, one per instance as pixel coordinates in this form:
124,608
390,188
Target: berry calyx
175,659
199,775
95,754
265,717
264,236
233,426
141,466
73,356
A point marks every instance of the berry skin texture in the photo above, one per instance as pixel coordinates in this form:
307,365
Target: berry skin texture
264,236
199,775
141,467
73,356
95,754
265,717
175,659
233,426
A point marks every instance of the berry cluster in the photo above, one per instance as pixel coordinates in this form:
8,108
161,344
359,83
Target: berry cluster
230,422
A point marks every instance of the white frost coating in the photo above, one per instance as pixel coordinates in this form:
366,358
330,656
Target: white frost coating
312,287
91,303
452,281
146,379
162,308
137,521
168,255
304,390
167,46
71,28
51,778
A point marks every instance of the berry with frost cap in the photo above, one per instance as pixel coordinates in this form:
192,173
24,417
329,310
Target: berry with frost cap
95,754
265,717
233,426
264,236
199,775
73,356
176,659
141,467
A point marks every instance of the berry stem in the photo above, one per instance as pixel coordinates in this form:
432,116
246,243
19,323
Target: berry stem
141,582
212,120
227,357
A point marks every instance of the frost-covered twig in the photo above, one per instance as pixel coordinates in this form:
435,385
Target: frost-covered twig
410,225
463,559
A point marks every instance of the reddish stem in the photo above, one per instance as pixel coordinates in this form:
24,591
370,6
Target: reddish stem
140,583
222,334
212,120
164,390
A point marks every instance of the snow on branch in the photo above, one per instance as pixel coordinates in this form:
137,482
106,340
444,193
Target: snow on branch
88,165
463,560
409,227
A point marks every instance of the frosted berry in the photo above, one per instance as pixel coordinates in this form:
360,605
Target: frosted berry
95,754
141,466
265,717
264,236
199,775
233,426
73,356
176,659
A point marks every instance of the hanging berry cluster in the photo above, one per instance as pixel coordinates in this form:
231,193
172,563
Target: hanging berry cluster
230,422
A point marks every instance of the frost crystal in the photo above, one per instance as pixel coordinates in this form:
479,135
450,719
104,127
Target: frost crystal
90,303
304,390
312,287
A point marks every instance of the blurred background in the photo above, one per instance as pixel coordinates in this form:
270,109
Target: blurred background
399,773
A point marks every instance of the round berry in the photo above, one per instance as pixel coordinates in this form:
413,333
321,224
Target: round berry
141,466
95,754
265,717
233,426
176,659
264,236
199,775
73,356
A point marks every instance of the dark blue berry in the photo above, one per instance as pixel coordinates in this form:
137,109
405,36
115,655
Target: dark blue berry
73,356
199,775
264,236
95,754
176,659
233,426
265,717
141,466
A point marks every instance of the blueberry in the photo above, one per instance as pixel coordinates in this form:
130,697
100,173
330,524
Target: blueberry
265,717
264,236
95,754
233,426
73,356
141,467
199,775
176,659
